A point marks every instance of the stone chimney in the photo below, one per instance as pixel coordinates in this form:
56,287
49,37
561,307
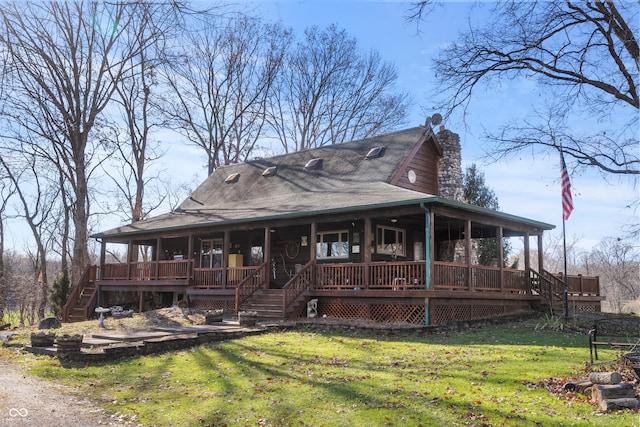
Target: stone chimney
450,178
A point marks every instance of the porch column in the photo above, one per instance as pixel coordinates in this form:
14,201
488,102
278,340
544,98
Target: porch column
158,256
129,258
103,259
367,239
267,250
467,253
226,241
527,260
540,255
190,256
313,240
500,258
429,240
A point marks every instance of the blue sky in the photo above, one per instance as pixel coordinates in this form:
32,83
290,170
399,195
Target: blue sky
524,186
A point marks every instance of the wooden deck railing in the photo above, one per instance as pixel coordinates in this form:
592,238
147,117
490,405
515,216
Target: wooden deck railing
147,270
340,276
351,276
397,276
581,285
220,278
257,279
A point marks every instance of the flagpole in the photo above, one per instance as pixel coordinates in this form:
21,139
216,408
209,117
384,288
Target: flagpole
566,280
567,207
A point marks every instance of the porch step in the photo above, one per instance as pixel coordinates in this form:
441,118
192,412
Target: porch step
266,302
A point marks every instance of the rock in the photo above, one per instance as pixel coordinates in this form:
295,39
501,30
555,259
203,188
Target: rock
49,323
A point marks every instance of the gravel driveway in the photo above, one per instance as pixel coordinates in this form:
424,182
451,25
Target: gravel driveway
29,401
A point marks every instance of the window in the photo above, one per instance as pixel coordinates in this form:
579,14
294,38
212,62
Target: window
234,177
374,153
270,171
333,244
390,241
314,164
211,253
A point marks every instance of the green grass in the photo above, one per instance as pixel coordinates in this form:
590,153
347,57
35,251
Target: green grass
480,378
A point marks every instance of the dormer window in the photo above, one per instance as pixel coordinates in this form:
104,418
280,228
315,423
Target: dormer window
314,164
271,171
232,178
374,153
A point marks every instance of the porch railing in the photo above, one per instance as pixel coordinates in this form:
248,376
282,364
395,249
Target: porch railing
451,276
397,276
257,279
220,278
340,276
147,270
581,285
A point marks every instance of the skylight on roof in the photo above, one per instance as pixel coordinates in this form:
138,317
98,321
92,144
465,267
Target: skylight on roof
314,164
270,171
232,178
374,153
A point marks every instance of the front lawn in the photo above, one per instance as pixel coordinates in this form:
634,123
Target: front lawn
485,377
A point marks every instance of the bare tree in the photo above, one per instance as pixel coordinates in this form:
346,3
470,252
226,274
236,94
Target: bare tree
37,199
332,92
66,58
220,84
131,131
585,54
617,262
6,192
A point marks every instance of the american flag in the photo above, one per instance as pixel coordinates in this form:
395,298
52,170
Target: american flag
567,201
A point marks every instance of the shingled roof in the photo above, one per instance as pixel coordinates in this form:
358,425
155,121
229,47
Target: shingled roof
346,180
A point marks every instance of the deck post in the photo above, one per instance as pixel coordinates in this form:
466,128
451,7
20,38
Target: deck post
501,258
226,241
267,251
158,256
313,240
428,242
129,258
527,260
540,254
367,251
467,253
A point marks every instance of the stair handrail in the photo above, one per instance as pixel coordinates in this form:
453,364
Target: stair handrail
254,281
553,287
302,281
89,274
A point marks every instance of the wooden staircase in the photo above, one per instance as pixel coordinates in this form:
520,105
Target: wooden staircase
82,302
551,291
266,302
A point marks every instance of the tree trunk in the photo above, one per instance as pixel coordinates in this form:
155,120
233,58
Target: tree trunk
605,378
622,403
608,392
582,386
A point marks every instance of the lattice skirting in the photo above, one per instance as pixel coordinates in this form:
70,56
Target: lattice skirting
455,311
213,303
384,313
585,307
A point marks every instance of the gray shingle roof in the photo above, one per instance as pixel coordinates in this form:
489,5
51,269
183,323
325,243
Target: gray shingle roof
346,181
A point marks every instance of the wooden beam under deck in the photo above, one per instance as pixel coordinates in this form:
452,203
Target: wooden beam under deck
169,285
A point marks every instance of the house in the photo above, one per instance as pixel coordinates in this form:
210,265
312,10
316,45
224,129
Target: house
371,229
